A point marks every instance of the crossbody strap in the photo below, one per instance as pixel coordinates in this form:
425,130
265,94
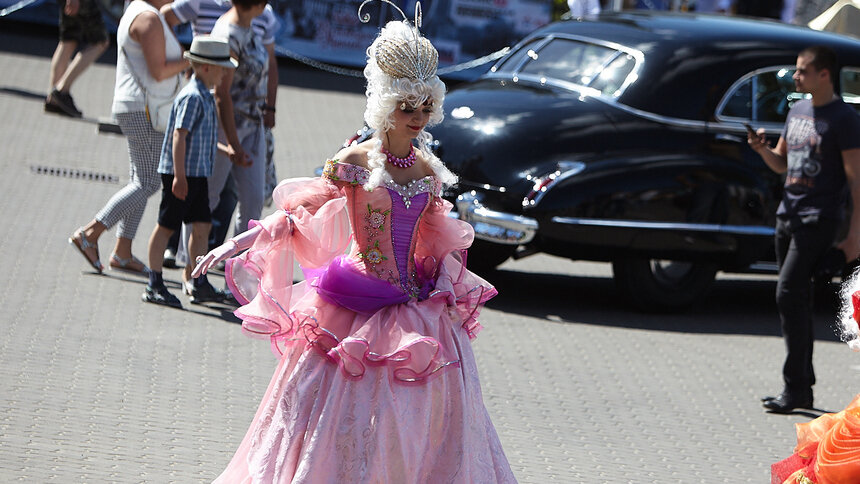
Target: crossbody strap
137,79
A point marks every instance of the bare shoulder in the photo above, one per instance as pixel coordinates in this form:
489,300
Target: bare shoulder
144,25
424,161
354,155
144,19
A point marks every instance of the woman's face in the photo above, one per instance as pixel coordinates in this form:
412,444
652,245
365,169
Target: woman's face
409,120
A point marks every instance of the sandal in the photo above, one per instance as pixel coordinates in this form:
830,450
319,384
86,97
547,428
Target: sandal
117,263
82,244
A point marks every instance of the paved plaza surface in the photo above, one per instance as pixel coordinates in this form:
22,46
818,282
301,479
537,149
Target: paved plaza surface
97,386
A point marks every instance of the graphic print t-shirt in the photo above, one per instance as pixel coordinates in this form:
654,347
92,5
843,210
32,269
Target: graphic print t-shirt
815,138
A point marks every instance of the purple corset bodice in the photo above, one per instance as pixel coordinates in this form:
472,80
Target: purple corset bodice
380,269
403,224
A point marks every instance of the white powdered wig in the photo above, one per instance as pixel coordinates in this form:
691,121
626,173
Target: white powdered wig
384,95
849,331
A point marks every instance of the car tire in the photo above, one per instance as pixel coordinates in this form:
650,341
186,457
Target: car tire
653,285
485,256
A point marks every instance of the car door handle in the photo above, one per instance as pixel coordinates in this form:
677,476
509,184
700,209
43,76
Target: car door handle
729,137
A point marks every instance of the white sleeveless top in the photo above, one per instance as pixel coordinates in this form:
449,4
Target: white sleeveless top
127,96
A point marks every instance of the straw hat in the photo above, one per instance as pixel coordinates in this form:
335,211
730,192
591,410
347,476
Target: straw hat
211,50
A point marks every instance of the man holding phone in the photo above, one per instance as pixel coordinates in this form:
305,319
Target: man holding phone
819,152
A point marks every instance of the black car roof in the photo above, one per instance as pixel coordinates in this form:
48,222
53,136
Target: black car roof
692,59
639,28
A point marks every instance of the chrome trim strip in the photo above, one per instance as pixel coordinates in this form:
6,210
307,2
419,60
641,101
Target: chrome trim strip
766,267
498,227
736,125
549,81
667,120
690,227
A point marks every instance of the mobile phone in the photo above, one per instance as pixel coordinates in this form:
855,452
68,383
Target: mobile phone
750,129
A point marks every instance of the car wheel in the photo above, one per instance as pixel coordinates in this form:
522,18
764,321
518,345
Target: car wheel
485,256
655,285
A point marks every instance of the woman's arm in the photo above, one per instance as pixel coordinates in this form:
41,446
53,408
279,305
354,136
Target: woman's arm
147,31
225,251
170,16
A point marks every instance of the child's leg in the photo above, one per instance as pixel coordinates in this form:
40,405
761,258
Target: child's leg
197,246
157,244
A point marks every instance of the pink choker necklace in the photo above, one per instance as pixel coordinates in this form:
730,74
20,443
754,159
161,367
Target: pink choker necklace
406,162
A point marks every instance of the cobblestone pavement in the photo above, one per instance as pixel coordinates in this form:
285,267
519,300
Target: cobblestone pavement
100,387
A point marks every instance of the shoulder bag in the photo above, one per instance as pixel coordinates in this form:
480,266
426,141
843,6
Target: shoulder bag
157,107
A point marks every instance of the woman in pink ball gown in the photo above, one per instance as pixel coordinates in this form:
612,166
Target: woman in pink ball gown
377,380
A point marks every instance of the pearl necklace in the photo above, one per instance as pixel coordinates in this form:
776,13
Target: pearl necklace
405,162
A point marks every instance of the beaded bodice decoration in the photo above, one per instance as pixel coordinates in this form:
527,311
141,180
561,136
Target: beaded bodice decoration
385,222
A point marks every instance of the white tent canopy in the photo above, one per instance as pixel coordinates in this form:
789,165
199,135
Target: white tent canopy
843,18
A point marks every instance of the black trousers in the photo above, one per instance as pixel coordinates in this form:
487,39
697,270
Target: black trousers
799,248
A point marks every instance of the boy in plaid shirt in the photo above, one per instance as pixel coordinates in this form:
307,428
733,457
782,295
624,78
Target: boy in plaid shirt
187,155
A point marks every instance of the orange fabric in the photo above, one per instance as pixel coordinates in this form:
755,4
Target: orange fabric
832,442
839,450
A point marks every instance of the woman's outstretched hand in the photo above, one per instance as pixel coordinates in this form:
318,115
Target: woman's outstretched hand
216,255
228,249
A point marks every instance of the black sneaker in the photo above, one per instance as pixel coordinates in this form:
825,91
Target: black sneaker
68,98
51,108
202,293
62,103
162,296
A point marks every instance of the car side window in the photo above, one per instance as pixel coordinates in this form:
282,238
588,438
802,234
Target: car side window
849,82
739,102
764,96
774,95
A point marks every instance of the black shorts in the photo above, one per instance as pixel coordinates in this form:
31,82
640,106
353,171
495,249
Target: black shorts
195,208
85,28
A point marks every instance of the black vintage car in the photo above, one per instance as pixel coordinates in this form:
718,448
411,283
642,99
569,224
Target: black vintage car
621,139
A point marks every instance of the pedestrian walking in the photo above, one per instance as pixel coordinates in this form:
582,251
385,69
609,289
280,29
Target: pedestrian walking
149,63
819,152
187,155
377,380
82,35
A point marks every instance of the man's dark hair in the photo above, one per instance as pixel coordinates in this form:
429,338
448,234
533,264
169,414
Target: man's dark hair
246,4
822,58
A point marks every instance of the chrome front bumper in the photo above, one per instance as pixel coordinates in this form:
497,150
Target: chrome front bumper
493,226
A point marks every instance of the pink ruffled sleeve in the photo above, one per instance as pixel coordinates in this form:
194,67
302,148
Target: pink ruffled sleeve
440,234
311,227
442,249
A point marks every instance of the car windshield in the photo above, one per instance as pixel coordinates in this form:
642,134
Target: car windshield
572,61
